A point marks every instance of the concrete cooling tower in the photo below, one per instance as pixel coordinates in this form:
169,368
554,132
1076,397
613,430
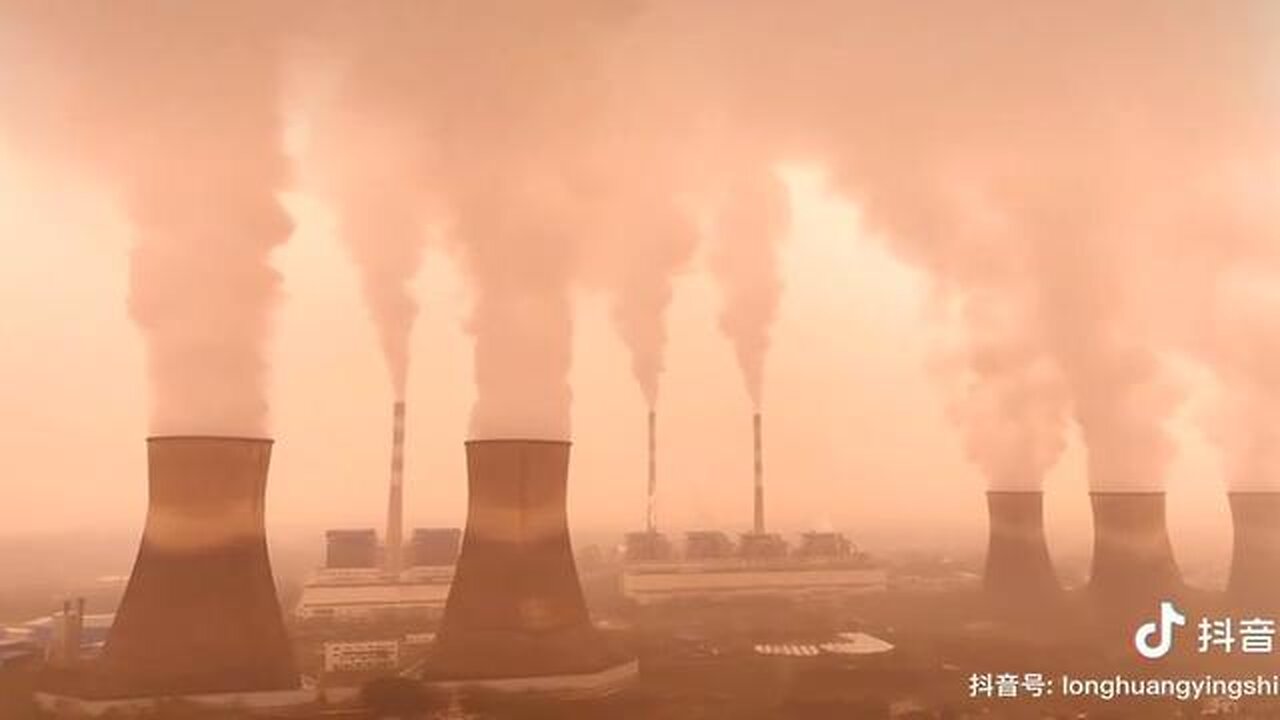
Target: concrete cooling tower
200,613
516,608
1255,557
1018,564
1132,558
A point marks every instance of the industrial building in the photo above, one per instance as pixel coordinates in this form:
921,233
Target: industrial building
373,602
826,567
397,582
361,656
714,567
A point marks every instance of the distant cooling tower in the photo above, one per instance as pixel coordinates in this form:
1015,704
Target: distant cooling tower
1255,558
1132,557
1018,564
200,613
516,607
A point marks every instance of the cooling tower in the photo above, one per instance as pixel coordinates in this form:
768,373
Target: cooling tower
1132,559
200,613
1018,564
395,501
516,608
1255,557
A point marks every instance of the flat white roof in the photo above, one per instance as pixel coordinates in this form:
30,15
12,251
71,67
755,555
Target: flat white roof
382,594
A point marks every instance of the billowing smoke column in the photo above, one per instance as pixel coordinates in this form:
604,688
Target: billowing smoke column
200,613
1011,153
1018,567
386,244
656,242
173,108
752,221
1236,333
507,140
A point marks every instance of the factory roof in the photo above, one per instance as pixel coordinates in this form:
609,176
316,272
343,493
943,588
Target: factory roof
374,594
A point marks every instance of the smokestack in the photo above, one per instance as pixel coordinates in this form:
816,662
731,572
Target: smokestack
758,525
395,503
200,612
651,510
1132,558
1018,564
516,607
1255,557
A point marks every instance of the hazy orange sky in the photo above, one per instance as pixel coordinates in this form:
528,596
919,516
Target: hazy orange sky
856,436
1014,242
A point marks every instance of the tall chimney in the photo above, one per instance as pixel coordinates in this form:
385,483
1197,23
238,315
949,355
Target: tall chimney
651,509
395,503
1018,564
758,525
200,612
1132,558
516,608
1255,556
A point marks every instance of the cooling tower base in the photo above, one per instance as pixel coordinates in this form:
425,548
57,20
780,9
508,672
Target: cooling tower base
1255,558
515,609
509,658
200,613
1133,564
1018,569
248,703
606,681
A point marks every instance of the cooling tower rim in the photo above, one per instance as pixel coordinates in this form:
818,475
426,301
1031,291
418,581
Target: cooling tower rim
211,438
514,440
1253,492
1015,492
1127,493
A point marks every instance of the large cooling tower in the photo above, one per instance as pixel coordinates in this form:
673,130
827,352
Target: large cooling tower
1132,558
1018,564
1255,558
200,613
516,608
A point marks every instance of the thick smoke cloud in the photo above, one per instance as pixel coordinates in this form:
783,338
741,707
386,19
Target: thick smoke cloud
655,242
748,229
504,104
1080,180
1076,155
380,215
173,108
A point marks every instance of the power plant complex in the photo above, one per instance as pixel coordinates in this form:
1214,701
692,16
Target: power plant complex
500,604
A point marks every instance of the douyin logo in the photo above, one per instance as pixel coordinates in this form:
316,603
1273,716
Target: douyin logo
1154,640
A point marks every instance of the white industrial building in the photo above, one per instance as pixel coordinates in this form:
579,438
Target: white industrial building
363,655
647,583
422,591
